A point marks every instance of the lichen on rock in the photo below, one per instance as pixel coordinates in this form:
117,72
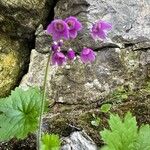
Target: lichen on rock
13,58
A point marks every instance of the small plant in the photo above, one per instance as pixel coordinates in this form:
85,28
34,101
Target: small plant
105,108
96,121
143,140
50,142
68,29
125,135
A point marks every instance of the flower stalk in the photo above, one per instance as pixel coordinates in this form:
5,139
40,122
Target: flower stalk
39,134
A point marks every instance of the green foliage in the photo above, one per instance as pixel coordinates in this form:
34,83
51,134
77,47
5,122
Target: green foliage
105,108
123,133
143,140
19,113
50,142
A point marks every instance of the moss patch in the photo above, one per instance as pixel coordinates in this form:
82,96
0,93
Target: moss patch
13,60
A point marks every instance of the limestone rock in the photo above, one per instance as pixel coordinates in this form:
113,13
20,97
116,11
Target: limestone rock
13,58
21,17
79,141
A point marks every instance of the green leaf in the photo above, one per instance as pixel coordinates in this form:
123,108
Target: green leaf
20,112
143,140
50,142
122,133
105,108
105,148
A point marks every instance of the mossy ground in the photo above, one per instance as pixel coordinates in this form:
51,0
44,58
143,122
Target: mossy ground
80,117
69,118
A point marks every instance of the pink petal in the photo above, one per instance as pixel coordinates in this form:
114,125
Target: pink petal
102,34
105,25
73,34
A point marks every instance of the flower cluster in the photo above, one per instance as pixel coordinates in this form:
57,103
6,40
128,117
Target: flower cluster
68,29
64,29
60,58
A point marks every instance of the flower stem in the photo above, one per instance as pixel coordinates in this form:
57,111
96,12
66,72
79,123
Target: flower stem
39,134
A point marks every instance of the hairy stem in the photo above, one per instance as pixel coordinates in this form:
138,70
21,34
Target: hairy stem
39,135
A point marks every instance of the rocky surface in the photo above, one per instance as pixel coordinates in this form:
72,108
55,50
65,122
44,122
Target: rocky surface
121,60
18,22
130,20
85,84
14,55
20,18
76,90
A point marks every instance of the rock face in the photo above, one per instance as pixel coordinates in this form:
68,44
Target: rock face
78,141
21,17
85,84
13,59
18,22
130,19
123,60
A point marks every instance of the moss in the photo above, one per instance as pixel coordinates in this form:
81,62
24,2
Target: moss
119,94
67,122
138,103
13,56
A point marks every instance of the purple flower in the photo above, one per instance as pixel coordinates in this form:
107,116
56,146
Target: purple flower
100,29
58,29
58,58
74,26
55,46
60,43
71,54
87,55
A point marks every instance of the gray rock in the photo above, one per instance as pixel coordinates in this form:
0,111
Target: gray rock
21,17
77,83
36,71
78,141
43,41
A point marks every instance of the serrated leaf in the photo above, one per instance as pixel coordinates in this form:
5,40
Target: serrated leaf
105,108
50,142
20,112
143,140
123,132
